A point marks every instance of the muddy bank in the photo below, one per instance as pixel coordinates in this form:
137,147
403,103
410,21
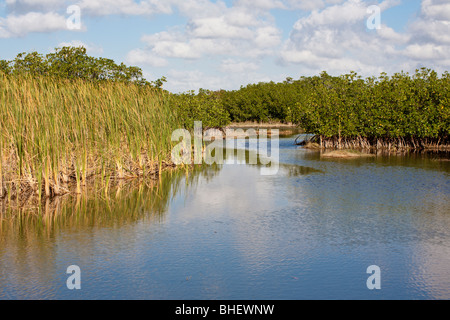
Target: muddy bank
249,124
375,144
346,154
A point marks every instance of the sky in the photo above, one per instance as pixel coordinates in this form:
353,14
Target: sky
226,44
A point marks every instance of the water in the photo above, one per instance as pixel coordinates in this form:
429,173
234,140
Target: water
227,232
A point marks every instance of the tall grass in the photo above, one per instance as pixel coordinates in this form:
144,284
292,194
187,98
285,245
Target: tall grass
57,135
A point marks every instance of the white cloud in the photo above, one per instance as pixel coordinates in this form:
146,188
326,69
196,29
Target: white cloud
261,4
336,39
217,27
328,35
436,9
32,2
433,25
311,5
429,44
126,7
216,31
391,36
182,80
20,25
141,57
349,12
426,52
26,6
267,37
236,66
90,48
194,79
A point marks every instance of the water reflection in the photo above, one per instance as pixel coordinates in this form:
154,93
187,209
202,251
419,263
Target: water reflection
126,202
436,161
35,240
227,232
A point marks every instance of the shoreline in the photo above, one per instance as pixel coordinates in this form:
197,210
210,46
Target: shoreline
375,144
23,193
237,125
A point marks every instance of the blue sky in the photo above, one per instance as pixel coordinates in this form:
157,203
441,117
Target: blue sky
225,44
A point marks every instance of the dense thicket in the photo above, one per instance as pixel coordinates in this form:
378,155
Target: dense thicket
262,102
385,107
403,109
206,106
74,63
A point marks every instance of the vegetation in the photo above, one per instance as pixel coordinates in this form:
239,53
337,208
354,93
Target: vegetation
74,63
262,102
66,117
58,133
401,111
207,106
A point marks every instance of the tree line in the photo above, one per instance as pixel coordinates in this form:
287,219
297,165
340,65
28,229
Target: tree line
404,107
74,63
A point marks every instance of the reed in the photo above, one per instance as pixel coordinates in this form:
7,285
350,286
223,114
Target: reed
57,135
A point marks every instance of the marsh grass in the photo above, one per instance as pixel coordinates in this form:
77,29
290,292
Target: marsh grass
59,136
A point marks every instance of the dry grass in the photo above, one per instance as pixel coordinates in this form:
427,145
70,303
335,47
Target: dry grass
346,154
312,145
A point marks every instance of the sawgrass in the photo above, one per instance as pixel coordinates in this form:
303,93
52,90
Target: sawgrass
57,135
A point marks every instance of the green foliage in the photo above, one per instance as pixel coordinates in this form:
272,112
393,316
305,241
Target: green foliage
74,63
5,67
387,107
205,106
262,102
348,106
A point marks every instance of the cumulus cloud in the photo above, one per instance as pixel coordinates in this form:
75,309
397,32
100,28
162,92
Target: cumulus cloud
436,9
311,5
433,24
327,39
142,57
182,80
125,7
90,48
261,4
429,42
20,25
216,31
238,66
426,52
217,27
337,40
27,6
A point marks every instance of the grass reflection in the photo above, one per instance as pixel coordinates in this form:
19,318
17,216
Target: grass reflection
125,202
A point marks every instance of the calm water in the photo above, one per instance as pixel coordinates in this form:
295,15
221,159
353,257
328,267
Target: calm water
227,232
